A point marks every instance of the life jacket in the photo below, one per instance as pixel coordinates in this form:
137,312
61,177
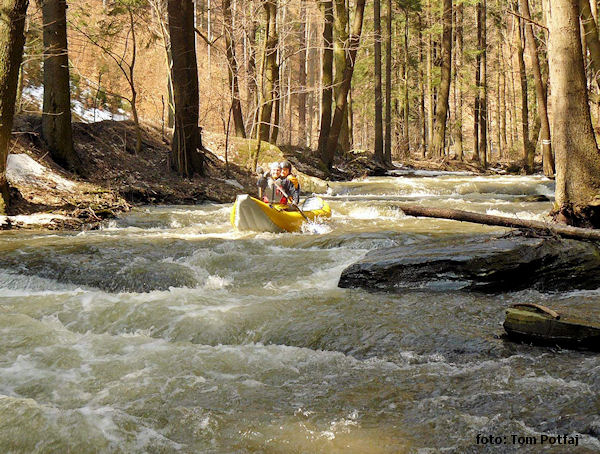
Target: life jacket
294,179
272,194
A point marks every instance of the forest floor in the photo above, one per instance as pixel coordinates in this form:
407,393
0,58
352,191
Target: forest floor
116,178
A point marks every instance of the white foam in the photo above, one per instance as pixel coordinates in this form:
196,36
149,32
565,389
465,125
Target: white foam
528,215
216,282
364,213
315,227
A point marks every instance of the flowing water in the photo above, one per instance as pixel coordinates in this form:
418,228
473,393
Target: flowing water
166,331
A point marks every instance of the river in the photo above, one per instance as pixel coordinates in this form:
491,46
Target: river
166,331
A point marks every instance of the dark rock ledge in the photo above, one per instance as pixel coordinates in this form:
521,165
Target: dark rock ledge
486,265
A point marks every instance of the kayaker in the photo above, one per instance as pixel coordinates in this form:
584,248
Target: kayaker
286,173
269,186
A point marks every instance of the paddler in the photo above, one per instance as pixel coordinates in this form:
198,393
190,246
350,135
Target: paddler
286,173
271,186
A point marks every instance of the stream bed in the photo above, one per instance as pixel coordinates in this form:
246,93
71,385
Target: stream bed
167,331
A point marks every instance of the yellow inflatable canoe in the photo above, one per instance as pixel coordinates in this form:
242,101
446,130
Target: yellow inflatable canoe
249,213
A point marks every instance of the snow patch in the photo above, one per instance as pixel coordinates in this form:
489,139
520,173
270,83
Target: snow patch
86,114
21,168
32,219
91,115
234,183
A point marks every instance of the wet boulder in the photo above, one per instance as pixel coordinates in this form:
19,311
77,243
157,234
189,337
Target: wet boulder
486,265
532,198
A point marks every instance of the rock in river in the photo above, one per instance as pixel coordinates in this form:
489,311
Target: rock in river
486,265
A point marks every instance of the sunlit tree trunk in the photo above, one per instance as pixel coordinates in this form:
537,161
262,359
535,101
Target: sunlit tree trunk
441,114
502,100
236,105
311,61
327,73
270,70
528,150
340,28
429,86
338,117
591,37
405,104
577,154
302,76
378,155
540,91
458,93
57,130
12,40
387,152
185,158
422,92
477,101
483,102
252,92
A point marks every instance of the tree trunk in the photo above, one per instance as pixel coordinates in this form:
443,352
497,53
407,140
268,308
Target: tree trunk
275,124
12,40
236,105
503,107
387,152
467,216
302,34
340,103
540,91
378,152
57,130
577,155
340,43
528,150
311,61
252,93
458,82
423,125
405,104
428,85
441,114
592,41
327,74
131,80
185,158
514,130
160,11
477,101
270,70
483,103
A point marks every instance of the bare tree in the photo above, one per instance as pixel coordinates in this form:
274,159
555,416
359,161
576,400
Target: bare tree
11,53
328,153
378,156
540,90
327,73
577,154
185,158
439,138
57,130
236,105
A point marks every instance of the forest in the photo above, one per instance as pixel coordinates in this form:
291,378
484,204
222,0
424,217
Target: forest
492,83
299,226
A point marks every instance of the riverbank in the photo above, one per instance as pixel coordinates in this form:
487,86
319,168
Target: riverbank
43,195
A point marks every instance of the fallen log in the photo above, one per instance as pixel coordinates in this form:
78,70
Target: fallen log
546,228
